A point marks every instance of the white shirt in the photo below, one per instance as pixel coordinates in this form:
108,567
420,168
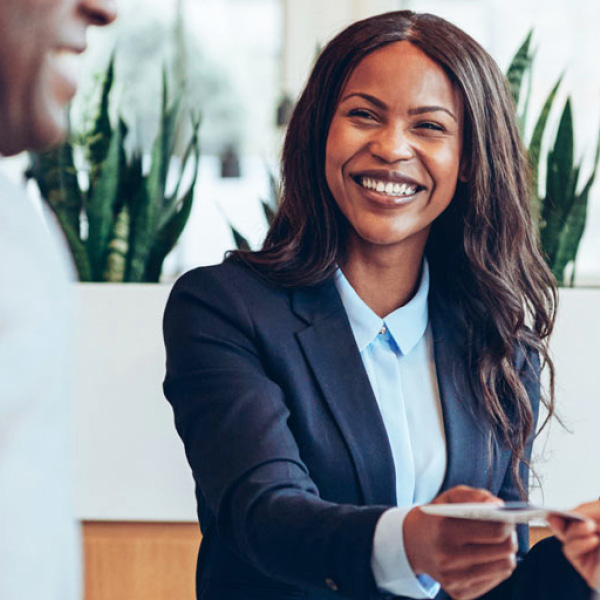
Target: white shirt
39,534
398,356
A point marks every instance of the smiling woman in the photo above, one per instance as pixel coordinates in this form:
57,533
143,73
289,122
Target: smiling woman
382,350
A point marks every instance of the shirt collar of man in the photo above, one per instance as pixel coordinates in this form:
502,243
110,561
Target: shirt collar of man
406,325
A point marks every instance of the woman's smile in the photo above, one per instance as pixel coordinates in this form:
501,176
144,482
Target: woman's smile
387,188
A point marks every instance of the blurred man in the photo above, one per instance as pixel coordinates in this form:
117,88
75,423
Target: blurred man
39,537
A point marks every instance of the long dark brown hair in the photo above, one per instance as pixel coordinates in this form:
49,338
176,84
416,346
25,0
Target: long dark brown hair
483,247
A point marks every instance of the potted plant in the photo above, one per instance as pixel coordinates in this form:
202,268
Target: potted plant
124,222
560,213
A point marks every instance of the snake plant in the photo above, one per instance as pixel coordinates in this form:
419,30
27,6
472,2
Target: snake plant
561,213
124,222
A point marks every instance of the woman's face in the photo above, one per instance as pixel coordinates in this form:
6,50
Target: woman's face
394,147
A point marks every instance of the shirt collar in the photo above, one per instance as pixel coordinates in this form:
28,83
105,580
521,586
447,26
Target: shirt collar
406,324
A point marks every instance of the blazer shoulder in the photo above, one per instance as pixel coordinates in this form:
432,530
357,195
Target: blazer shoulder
230,291
227,277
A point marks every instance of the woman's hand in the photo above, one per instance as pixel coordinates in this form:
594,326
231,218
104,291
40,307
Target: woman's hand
581,541
467,557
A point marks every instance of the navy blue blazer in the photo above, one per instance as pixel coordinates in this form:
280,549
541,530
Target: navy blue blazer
286,443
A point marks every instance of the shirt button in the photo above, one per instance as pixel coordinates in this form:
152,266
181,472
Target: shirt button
383,330
331,584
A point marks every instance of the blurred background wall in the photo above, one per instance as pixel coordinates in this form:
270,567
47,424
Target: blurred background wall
242,60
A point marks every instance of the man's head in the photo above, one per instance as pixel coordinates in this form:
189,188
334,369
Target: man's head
35,85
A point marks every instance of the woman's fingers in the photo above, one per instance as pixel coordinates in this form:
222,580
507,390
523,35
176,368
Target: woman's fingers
465,531
473,554
478,579
465,493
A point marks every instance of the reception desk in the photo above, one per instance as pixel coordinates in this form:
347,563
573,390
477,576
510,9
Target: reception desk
135,493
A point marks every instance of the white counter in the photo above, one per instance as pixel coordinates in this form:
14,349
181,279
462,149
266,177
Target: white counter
130,463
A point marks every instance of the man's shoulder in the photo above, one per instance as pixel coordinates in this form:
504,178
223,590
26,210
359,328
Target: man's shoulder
34,271
28,241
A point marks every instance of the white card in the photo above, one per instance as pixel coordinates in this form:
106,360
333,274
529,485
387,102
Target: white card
511,512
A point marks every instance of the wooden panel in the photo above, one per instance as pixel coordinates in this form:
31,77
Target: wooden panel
152,561
140,561
537,534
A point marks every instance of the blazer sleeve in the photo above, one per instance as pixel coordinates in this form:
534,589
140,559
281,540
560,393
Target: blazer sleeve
542,572
233,419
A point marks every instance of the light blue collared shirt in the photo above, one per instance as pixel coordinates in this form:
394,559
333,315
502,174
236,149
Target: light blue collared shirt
398,356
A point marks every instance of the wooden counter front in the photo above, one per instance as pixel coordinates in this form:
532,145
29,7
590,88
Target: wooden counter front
140,561
157,561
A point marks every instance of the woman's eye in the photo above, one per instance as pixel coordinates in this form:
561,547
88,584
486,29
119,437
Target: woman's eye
431,126
361,114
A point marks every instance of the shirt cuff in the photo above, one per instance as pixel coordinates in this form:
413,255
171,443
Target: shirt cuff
389,563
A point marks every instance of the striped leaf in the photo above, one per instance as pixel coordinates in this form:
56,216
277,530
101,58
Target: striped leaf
534,150
519,65
101,208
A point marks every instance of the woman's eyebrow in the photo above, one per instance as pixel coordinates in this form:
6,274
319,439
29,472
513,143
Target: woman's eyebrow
419,110
372,99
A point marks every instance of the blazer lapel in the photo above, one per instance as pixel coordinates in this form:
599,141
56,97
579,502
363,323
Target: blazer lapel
330,349
466,434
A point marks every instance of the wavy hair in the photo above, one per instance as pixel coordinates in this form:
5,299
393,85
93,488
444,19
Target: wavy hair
483,247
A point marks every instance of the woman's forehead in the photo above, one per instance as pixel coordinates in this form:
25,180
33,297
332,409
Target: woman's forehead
400,73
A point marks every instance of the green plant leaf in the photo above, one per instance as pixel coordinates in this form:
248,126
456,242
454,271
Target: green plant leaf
118,248
167,237
560,162
522,117
101,133
140,234
534,150
77,247
179,212
268,212
571,234
240,241
519,65
171,204
559,185
575,224
162,151
150,202
101,208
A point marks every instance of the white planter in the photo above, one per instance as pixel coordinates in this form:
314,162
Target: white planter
131,464
568,462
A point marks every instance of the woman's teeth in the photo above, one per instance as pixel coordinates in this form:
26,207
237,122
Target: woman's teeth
388,188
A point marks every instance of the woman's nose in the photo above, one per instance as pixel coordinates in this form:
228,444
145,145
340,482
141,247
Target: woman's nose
99,12
391,144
